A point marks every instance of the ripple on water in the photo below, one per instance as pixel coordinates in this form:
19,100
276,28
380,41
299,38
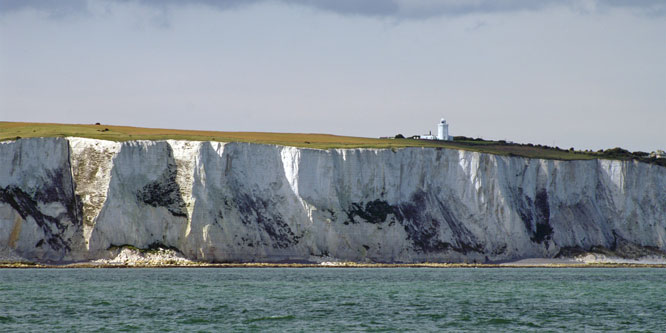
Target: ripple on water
270,318
194,321
338,300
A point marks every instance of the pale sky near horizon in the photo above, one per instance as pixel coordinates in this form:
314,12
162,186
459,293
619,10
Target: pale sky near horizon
587,74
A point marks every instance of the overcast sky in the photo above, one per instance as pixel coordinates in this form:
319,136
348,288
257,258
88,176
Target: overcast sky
588,74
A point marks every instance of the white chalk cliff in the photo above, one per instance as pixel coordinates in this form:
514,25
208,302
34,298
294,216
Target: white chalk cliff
71,199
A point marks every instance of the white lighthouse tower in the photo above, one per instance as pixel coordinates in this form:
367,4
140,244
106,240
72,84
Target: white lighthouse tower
443,130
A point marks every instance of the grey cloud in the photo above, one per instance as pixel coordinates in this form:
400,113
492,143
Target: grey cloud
397,9
634,3
352,7
67,7
53,8
417,9
650,7
219,4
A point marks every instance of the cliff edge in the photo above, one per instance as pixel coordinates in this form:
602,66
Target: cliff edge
75,199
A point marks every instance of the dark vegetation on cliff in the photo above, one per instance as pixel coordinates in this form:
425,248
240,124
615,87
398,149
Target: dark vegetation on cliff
421,227
16,130
28,205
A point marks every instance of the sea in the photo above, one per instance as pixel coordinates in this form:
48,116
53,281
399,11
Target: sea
332,299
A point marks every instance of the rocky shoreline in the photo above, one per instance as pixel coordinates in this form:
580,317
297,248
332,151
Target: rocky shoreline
343,265
129,257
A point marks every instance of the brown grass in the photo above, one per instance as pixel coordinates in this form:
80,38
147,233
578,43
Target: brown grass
14,130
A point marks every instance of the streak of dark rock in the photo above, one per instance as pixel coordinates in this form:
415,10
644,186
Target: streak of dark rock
165,191
27,206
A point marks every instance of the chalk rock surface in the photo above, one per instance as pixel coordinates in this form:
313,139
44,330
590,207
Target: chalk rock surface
72,199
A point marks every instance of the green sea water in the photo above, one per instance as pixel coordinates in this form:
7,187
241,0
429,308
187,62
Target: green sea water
333,299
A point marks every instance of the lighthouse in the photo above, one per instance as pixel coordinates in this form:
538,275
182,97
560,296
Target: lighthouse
443,130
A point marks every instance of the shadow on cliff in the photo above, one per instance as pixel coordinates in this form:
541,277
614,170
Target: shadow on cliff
60,232
609,224
431,217
144,205
241,208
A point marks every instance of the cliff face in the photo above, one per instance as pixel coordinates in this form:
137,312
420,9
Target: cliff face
68,199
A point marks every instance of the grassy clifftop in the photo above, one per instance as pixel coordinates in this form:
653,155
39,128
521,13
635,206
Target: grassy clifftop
14,130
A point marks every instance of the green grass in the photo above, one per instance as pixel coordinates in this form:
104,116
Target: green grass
14,130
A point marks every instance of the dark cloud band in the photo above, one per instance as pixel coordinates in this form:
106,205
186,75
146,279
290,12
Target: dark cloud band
400,9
